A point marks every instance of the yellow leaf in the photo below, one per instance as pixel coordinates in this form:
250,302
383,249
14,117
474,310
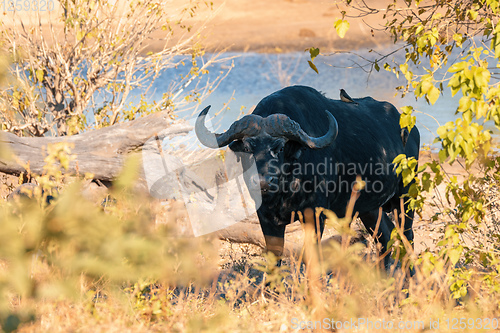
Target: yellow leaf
39,75
472,14
454,254
481,109
342,26
458,67
437,16
313,66
79,35
458,39
433,94
464,104
481,77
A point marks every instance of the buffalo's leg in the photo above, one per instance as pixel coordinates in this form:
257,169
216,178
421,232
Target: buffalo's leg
408,228
404,218
321,226
275,244
384,230
313,230
274,236
408,222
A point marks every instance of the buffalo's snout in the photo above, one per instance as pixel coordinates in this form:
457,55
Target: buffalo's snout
265,183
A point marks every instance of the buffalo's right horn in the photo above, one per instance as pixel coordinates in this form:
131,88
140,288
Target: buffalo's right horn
281,125
250,125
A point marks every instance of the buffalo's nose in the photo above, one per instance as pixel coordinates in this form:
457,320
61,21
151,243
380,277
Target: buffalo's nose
264,182
267,181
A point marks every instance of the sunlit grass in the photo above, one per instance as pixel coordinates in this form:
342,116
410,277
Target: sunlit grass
77,265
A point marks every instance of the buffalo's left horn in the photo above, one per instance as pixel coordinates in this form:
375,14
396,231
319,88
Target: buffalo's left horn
250,125
325,140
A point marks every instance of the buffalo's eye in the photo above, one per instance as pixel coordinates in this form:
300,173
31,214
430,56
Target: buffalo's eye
248,146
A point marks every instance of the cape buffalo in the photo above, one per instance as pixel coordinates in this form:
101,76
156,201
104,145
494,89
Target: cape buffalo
309,149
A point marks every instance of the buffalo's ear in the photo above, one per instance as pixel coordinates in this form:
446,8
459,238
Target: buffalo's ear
237,146
293,150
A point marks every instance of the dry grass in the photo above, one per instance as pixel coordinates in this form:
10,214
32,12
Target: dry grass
240,301
248,293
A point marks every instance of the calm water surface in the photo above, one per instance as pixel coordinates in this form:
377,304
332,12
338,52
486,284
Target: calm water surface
255,76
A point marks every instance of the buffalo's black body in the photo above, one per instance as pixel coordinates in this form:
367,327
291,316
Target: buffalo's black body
367,140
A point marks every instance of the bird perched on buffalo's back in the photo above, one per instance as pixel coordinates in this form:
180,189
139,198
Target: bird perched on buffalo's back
344,97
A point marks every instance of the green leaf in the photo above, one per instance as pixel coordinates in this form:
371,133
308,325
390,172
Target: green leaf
443,155
342,26
314,52
455,83
408,176
403,68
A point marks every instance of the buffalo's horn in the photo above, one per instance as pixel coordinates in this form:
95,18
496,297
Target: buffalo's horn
282,125
250,125
206,137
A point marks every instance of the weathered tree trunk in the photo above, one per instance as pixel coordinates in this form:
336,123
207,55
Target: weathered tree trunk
249,231
100,152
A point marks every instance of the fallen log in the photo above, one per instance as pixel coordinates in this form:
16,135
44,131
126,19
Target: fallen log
100,152
247,232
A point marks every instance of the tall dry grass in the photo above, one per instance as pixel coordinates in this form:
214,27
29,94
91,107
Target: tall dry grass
77,265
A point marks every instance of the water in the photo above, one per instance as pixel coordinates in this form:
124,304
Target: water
255,76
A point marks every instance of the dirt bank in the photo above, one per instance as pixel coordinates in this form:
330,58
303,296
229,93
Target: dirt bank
252,25
289,25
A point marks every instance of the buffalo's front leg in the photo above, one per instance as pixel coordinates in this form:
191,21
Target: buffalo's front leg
275,244
383,229
274,236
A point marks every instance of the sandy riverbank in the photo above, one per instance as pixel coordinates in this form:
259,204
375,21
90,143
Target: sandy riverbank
289,25
255,25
